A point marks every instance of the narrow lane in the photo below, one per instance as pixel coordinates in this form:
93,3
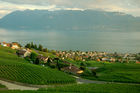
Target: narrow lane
86,81
12,86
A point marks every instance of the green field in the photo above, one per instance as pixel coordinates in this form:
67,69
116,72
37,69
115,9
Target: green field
115,72
87,88
17,69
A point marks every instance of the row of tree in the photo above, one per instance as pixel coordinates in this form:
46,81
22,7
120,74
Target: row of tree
34,46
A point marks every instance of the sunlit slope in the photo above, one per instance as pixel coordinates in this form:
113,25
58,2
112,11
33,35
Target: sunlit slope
116,72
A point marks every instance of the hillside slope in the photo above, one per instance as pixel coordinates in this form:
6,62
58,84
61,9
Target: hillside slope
17,69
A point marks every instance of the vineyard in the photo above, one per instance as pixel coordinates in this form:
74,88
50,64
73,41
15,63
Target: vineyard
86,88
96,88
114,72
17,69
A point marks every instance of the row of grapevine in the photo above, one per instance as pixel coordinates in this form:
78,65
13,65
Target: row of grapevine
34,75
15,68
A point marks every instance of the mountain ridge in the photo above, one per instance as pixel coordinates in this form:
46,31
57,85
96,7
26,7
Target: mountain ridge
70,20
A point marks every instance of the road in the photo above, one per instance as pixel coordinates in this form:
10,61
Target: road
86,81
15,86
12,86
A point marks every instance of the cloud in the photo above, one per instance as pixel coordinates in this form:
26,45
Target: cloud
6,7
127,6
74,3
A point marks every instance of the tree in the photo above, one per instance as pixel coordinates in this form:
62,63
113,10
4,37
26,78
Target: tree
82,67
32,45
49,62
94,73
35,46
58,65
33,57
28,46
82,64
116,55
40,48
37,61
87,72
45,50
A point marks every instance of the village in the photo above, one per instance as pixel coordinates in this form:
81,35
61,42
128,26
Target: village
39,59
81,55
99,56
63,56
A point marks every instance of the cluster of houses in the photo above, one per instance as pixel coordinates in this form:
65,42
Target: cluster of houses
75,55
97,56
78,55
25,52
70,68
22,52
13,45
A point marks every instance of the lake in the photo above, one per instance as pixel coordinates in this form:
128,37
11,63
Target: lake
107,41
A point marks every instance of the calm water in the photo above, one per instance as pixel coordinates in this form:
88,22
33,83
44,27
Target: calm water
77,40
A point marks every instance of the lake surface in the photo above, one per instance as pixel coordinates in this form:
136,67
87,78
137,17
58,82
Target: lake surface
107,41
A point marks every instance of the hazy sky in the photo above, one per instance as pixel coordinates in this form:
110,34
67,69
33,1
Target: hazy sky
127,6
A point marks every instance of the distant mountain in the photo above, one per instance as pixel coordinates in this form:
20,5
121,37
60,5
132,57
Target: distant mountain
70,20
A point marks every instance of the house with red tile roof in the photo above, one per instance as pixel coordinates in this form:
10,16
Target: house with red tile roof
72,69
6,44
15,45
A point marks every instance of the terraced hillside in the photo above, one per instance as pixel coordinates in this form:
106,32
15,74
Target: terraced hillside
17,69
